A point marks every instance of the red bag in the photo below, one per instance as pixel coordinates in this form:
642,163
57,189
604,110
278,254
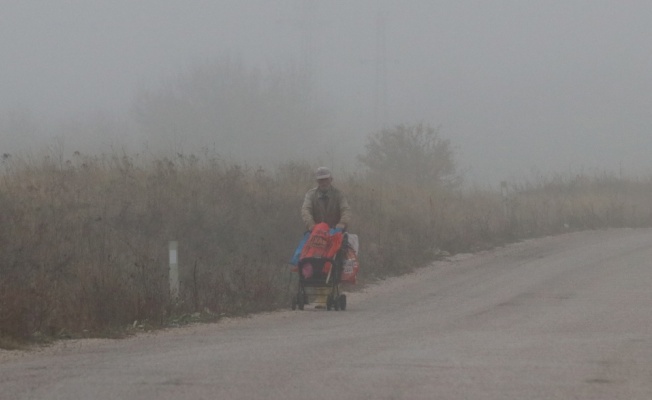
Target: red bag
350,266
321,244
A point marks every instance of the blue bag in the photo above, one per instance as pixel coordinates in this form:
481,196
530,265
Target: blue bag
297,252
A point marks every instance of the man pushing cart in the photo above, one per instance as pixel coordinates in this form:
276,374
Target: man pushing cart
327,255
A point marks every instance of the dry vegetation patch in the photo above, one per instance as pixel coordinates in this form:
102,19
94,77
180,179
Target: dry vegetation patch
85,240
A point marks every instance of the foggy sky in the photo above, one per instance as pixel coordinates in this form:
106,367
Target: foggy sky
518,86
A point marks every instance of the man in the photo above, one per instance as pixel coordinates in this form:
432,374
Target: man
325,203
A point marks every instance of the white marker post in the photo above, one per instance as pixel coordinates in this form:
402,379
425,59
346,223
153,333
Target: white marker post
504,191
174,271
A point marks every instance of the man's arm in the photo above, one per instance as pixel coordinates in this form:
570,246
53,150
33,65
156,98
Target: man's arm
306,210
345,213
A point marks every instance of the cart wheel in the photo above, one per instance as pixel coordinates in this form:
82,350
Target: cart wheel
300,301
329,302
336,304
342,301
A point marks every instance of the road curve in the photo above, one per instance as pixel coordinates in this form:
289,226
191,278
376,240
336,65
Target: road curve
563,317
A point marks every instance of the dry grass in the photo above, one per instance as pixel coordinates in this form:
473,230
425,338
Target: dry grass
85,240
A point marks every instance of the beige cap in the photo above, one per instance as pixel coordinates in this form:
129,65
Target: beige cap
323,173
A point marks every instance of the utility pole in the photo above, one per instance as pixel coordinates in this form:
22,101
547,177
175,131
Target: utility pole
380,90
307,25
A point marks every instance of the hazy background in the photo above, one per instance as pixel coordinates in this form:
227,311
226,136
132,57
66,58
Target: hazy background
519,87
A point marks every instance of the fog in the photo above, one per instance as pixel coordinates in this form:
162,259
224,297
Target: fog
519,87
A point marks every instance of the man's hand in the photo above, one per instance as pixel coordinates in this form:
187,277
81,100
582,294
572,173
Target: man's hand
340,226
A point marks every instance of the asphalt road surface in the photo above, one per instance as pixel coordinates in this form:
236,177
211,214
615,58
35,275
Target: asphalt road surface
564,317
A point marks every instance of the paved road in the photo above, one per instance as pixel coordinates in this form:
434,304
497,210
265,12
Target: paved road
564,317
